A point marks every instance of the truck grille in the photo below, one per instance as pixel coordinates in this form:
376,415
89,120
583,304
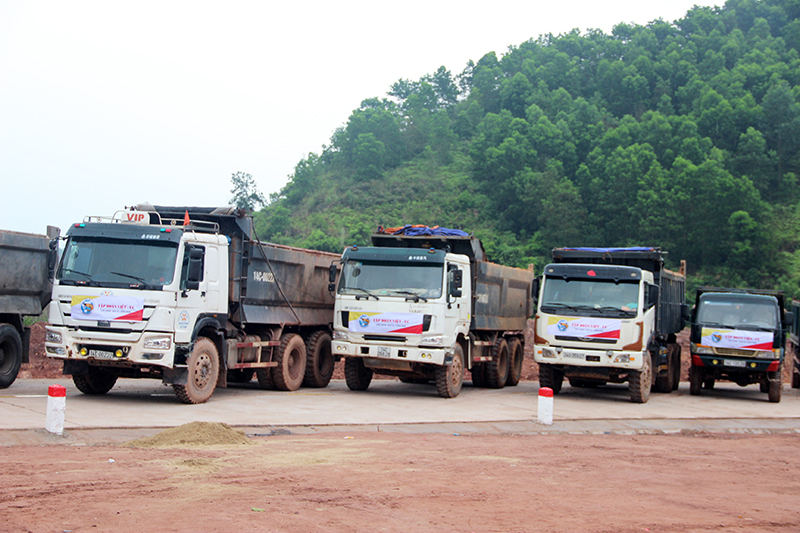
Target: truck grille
734,352
384,338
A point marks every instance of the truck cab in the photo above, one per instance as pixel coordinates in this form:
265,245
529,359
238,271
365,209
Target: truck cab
738,335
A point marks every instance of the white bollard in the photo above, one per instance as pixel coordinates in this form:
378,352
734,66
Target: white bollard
546,406
56,409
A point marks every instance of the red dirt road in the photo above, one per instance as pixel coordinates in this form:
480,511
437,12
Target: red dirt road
370,482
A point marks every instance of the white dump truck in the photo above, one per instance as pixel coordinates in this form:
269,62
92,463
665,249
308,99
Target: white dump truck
186,295
425,307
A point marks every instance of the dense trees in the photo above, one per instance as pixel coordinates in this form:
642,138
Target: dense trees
684,135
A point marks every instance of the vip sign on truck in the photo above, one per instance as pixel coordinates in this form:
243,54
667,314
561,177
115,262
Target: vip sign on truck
738,335
26,269
610,315
186,295
425,304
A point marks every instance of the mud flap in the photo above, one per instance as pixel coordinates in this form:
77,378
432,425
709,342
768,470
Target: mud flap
175,376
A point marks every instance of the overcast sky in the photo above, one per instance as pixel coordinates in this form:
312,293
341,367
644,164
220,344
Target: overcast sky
105,104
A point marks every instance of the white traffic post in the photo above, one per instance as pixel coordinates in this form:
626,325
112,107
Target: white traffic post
546,406
56,409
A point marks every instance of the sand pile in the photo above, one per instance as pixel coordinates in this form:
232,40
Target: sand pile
193,434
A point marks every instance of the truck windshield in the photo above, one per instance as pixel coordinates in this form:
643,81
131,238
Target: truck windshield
373,278
101,261
737,312
593,297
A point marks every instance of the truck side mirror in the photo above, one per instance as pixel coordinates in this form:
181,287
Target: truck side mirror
332,277
789,319
535,286
195,273
652,296
456,281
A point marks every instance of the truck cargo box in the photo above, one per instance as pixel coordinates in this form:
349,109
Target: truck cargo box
24,268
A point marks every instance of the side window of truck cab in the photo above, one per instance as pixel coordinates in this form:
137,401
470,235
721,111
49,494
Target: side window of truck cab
193,267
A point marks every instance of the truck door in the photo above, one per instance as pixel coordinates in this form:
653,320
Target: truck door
193,289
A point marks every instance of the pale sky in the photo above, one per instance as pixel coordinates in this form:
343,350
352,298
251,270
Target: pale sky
105,104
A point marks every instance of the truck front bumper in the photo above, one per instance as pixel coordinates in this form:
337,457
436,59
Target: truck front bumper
411,354
557,355
736,364
125,349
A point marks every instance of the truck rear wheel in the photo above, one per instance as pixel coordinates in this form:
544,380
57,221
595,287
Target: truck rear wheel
497,369
663,382
356,375
477,373
775,385
676,362
551,377
10,355
695,380
291,359
319,360
639,383
450,378
203,370
95,382
264,377
516,354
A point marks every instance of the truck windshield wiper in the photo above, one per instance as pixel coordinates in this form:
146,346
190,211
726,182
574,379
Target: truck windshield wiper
140,280
416,297
362,290
88,276
560,304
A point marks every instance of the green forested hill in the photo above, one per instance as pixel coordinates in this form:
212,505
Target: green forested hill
681,134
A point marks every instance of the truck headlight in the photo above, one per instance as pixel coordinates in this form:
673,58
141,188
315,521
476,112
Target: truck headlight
548,352
341,336
623,358
703,350
157,343
764,354
52,336
435,340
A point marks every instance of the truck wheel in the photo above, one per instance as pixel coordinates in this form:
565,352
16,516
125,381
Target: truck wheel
95,382
264,377
477,373
203,373
319,360
695,380
550,377
639,383
291,359
450,378
356,375
516,353
10,354
663,383
796,373
497,369
676,365
775,385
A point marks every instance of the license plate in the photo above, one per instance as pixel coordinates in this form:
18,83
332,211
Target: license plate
734,362
101,354
384,351
573,355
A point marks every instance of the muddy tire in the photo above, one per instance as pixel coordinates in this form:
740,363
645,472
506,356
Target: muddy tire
663,383
95,382
477,372
264,377
203,369
640,383
291,359
695,381
450,378
497,369
775,385
550,377
319,360
356,375
516,354
10,355
676,361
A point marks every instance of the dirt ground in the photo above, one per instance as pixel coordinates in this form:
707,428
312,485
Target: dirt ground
367,482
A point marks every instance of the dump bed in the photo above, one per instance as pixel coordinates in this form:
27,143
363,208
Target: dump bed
501,294
672,297
24,284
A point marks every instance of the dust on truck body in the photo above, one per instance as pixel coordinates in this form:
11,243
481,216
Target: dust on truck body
427,307
738,335
187,296
26,265
610,315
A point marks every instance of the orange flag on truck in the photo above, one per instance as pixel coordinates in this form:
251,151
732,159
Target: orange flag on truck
186,220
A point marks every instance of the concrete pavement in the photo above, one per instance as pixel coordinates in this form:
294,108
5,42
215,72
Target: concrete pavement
136,408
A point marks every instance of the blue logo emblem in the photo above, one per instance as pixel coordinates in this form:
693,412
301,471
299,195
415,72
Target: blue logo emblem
716,336
87,306
363,321
562,325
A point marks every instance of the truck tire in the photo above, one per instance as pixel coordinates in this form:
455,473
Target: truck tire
775,385
450,378
264,377
795,373
695,380
676,375
477,373
640,383
10,354
663,383
95,382
203,366
550,377
516,354
319,360
497,369
356,375
291,359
